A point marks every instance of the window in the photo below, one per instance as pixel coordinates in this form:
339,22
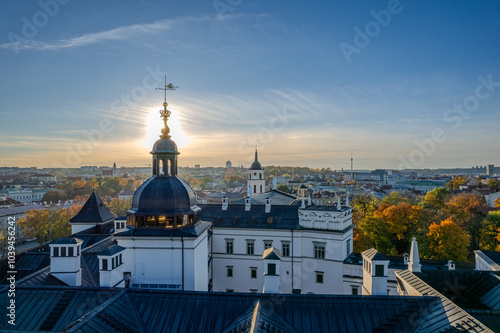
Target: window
253,291
319,250
70,251
121,259
379,270
230,290
63,251
271,269
354,290
255,189
78,250
253,272
229,271
250,246
319,277
229,246
105,264
268,244
285,249
348,247
56,252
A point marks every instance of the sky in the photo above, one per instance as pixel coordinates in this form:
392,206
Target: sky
400,84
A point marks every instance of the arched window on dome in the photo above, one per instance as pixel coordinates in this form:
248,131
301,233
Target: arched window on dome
155,167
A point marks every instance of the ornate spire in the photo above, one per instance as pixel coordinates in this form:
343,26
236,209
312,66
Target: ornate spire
256,159
165,114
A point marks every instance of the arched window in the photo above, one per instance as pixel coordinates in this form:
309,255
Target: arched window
260,176
260,188
255,189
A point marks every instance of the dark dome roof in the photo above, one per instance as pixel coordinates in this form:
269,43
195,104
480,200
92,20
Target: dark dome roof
256,166
164,196
164,146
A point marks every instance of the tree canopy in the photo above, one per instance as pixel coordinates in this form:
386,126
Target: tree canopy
447,240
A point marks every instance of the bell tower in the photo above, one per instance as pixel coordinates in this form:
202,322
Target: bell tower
256,180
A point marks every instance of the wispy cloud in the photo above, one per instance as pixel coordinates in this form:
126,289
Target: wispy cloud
119,33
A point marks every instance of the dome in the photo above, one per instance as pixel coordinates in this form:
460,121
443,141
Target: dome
164,146
167,196
255,166
302,186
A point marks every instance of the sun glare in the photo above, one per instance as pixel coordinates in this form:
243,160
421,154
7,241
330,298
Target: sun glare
154,124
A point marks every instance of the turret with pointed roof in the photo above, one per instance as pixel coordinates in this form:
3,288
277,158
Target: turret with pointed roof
93,213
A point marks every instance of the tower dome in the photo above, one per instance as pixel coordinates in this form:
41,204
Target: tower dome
164,200
256,164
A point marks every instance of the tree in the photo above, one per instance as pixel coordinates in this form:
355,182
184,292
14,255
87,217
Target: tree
447,241
437,197
45,224
395,198
497,202
465,211
494,184
54,196
374,232
283,188
456,182
489,233
402,221
363,206
119,206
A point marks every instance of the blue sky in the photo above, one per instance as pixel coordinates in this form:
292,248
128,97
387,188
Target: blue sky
297,79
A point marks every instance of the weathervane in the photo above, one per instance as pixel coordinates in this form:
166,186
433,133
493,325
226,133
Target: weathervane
165,114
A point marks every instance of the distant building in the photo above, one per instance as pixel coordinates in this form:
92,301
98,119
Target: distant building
110,172
229,165
490,170
26,196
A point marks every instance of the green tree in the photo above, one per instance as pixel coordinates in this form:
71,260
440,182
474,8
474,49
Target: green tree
374,232
447,241
395,198
489,233
54,196
119,206
437,197
283,188
363,206
494,184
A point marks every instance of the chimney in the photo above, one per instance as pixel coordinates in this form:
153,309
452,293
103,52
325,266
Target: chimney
451,265
406,258
268,205
225,203
375,270
111,267
414,265
272,259
247,204
65,260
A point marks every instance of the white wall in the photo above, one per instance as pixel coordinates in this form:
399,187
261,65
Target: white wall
304,268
